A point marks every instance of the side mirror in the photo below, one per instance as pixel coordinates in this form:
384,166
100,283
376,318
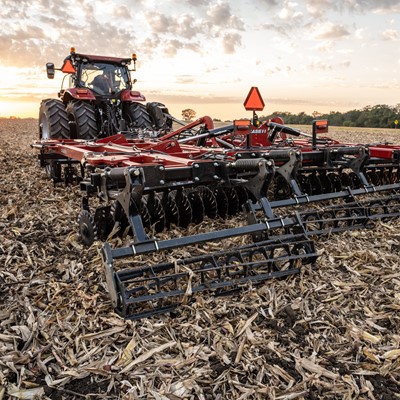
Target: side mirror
50,70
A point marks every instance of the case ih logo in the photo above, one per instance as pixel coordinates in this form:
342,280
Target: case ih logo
259,130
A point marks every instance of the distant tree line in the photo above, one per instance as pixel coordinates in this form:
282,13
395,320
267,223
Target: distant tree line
379,116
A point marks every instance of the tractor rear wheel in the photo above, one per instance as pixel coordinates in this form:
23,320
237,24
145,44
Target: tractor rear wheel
137,116
82,118
53,120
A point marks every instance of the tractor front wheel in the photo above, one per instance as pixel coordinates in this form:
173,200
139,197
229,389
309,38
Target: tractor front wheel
82,119
160,115
136,116
53,120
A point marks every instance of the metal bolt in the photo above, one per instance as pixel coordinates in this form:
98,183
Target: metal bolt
216,177
135,172
196,178
162,182
216,164
196,165
161,168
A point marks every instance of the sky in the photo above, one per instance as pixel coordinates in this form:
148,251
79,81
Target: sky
311,55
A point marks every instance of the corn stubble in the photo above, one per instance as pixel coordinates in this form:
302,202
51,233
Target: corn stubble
330,332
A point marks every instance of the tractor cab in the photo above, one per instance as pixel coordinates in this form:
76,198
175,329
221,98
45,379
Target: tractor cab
103,78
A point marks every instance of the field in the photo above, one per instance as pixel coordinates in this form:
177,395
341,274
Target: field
332,332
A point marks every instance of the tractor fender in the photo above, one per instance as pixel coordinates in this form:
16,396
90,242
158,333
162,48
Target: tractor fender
131,95
77,94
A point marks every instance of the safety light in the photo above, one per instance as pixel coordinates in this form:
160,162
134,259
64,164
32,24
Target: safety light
134,57
72,50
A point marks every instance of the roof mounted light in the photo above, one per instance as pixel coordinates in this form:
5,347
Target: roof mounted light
134,57
72,50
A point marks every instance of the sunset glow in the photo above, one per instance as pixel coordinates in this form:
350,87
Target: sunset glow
311,55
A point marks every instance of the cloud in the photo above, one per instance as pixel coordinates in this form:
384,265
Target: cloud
158,22
43,36
319,8
390,34
220,15
270,3
10,10
59,8
36,31
277,69
331,31
216,22
289,13
325,47
230,41
172,46
384,6
289,19
122,12
345,63
359,33
184,79
281,29
195,3
185,98
319,65
187,27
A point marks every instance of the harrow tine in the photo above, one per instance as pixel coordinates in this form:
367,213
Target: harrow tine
153,289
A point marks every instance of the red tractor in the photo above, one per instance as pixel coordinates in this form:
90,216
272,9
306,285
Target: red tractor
99,101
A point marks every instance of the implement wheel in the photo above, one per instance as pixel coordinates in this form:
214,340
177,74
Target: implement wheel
53,120
88,232
82,118
136,116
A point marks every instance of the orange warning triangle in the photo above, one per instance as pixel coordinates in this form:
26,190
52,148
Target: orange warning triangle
254,100
68,68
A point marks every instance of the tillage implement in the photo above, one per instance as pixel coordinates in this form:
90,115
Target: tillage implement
202,209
